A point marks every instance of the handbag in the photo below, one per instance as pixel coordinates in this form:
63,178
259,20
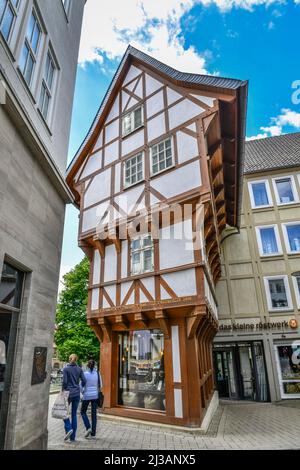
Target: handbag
60,409
100,399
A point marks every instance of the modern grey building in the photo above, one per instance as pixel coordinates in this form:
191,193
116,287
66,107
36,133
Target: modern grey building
39,42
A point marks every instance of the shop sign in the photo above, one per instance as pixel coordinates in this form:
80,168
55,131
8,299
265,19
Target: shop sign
259,326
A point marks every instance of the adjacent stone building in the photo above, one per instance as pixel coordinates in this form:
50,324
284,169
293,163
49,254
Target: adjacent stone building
39,42
257,349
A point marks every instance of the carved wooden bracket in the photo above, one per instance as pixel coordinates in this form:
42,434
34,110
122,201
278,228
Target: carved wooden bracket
106,328
100,246
86,248
96,328
122,321
193,321
163,322
141,317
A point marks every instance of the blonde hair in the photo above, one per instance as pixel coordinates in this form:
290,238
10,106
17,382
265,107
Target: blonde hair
73,358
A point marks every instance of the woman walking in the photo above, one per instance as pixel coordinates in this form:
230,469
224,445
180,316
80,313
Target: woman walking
90,395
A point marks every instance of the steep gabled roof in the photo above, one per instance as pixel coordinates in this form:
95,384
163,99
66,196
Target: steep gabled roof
271,153
185,79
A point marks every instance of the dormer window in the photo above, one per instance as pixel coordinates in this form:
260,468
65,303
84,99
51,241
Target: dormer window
132,121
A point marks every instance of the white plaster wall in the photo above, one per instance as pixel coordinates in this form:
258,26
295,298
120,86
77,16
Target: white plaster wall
182,112
93,164
112,131
111,153
117,178
152,85
139,89
114,112
183,283
150,286
132,72
127,200
92,216
206,99
95,299
99,188
111,291
175,243
124,259
110,264
172,96
99,142
129,144
178,181
155,104
187,147
97,267
156,127
125,286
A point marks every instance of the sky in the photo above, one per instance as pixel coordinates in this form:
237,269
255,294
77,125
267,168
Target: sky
255,40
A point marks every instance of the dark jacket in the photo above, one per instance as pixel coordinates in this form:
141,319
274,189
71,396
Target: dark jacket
72,374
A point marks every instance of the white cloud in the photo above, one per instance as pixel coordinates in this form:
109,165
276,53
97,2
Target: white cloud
286,118
150,25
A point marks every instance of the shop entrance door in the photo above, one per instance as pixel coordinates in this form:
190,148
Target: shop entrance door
225,373
240,371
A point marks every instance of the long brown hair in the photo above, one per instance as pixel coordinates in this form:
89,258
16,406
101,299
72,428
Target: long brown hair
91,365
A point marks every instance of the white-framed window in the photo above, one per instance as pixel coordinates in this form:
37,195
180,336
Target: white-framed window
162,156
142,254
47,86
134,170
291,231
268,240
8,14
260,194
285,190
278,293
132,121
296,282
30,48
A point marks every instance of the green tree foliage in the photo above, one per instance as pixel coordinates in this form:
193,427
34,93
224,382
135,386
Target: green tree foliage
73,335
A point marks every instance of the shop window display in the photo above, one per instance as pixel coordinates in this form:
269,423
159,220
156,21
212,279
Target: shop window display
289,364
141,369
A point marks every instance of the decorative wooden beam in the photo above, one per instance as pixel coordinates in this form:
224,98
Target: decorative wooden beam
122,321
96,328
218,190
86,248
163,322
117,243
106,328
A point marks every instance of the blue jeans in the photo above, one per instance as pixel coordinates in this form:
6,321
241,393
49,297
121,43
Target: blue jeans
74,402
86,421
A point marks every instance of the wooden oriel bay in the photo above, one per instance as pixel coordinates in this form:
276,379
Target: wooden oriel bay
162,139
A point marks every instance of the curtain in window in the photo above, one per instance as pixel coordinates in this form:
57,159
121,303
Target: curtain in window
260,194
294,237
268,240
285,191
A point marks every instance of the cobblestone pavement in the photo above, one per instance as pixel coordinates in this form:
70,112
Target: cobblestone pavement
235,425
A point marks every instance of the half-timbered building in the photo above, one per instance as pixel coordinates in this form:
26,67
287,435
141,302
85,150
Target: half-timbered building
165,153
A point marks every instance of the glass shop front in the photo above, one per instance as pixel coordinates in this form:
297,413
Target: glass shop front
288,364
142,370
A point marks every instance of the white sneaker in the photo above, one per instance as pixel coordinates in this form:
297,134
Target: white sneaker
88,433
68,435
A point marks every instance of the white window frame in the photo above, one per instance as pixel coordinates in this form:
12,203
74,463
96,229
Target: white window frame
45,85
259,240
131,114
287,291
286,236
141,250
151,156
251,194
297,290
15,10
128,185
294,190
31,52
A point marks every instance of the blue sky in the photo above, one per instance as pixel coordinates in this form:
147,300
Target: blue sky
255,40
